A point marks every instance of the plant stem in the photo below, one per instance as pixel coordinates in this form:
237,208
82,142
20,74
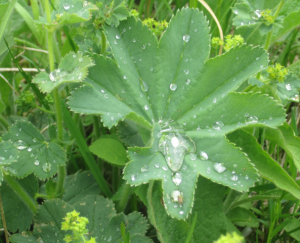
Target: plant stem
115,178
124,199
3,220
21,192
4,123
269,37
96,127
44,110
190,233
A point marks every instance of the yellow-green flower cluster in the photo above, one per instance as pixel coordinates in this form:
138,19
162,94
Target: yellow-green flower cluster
134,13
267,17
230,238
277,72
156,27
233,41
77,225
216,42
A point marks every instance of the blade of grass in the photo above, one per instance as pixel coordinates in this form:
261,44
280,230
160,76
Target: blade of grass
6,17
84,149
190,233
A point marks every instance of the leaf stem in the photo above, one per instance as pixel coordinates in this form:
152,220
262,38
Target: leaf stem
190,233
3,220
268,41
4,122
124,199
217,22
21,192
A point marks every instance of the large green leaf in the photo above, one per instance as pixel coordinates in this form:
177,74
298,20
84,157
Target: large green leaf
72,68
242,217
186,98
17,214
285,137
267,167
36,155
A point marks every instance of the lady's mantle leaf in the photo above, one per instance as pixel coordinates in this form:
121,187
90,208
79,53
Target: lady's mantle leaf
289,90
68,12
8,155
173,80
35,154
72,68
104,223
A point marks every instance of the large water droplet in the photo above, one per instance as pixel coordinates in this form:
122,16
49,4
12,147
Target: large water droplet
188,81
288,87
54,75
246,177
66,6
218,125
175,142
109,239
20,144
47,167
177,178
36,162
146,107
144,86
29,149
218,167
251,120
156,165
186,71
193,156
234,177
173,87
186,38
203,155
133,178
176,195
145,168
118,37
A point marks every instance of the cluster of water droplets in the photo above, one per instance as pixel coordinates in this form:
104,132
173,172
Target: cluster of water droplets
57,75
250,119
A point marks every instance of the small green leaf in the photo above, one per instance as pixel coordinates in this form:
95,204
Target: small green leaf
73,68
17,215
35,154
68,12
242,217
267,167
285,137
292,225
289,90
295,68
110,150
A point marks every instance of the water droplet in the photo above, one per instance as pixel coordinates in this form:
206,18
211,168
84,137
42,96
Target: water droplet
156,165
116,43
195,30
215,100
181,212
257,58
133,177
186,71
251,120
242,23
177,178
188,81
246,177
165,168
173,87
144,86
175,142
288,87
186,38
234,165
54,75
218,167
106,96
118,37
47,167
80,59
36,162
74,55
234,177
66,6
146,107
109,239
143,47
218,125
145,168
203,155
151,69
29,149
193,156
134,40
175,195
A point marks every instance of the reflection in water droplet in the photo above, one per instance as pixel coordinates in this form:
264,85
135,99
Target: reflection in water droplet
177,178
188,81
66,6
156,165
134,40
36,162
218,125
80,59
118,37
47,167
175,195
218,167
146,107
145,168
133,177
106,96
186,71
144,86
193,156
234,177
181,212
173,87
288,87
203,155
215,100
186,38
246,177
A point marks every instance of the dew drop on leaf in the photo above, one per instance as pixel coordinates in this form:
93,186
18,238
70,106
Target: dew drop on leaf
118,37
54,75
257,58
203,155
246,177
144,86
165,168
181,212
218,167
146,107
36,162
251,120
288,87
193,156
134,40
143,47
156,165
173,87
133,178
188,81
186,71
145,168
234,177
186,38
218,125
175,195
215,100
29,149
66,6
177,178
